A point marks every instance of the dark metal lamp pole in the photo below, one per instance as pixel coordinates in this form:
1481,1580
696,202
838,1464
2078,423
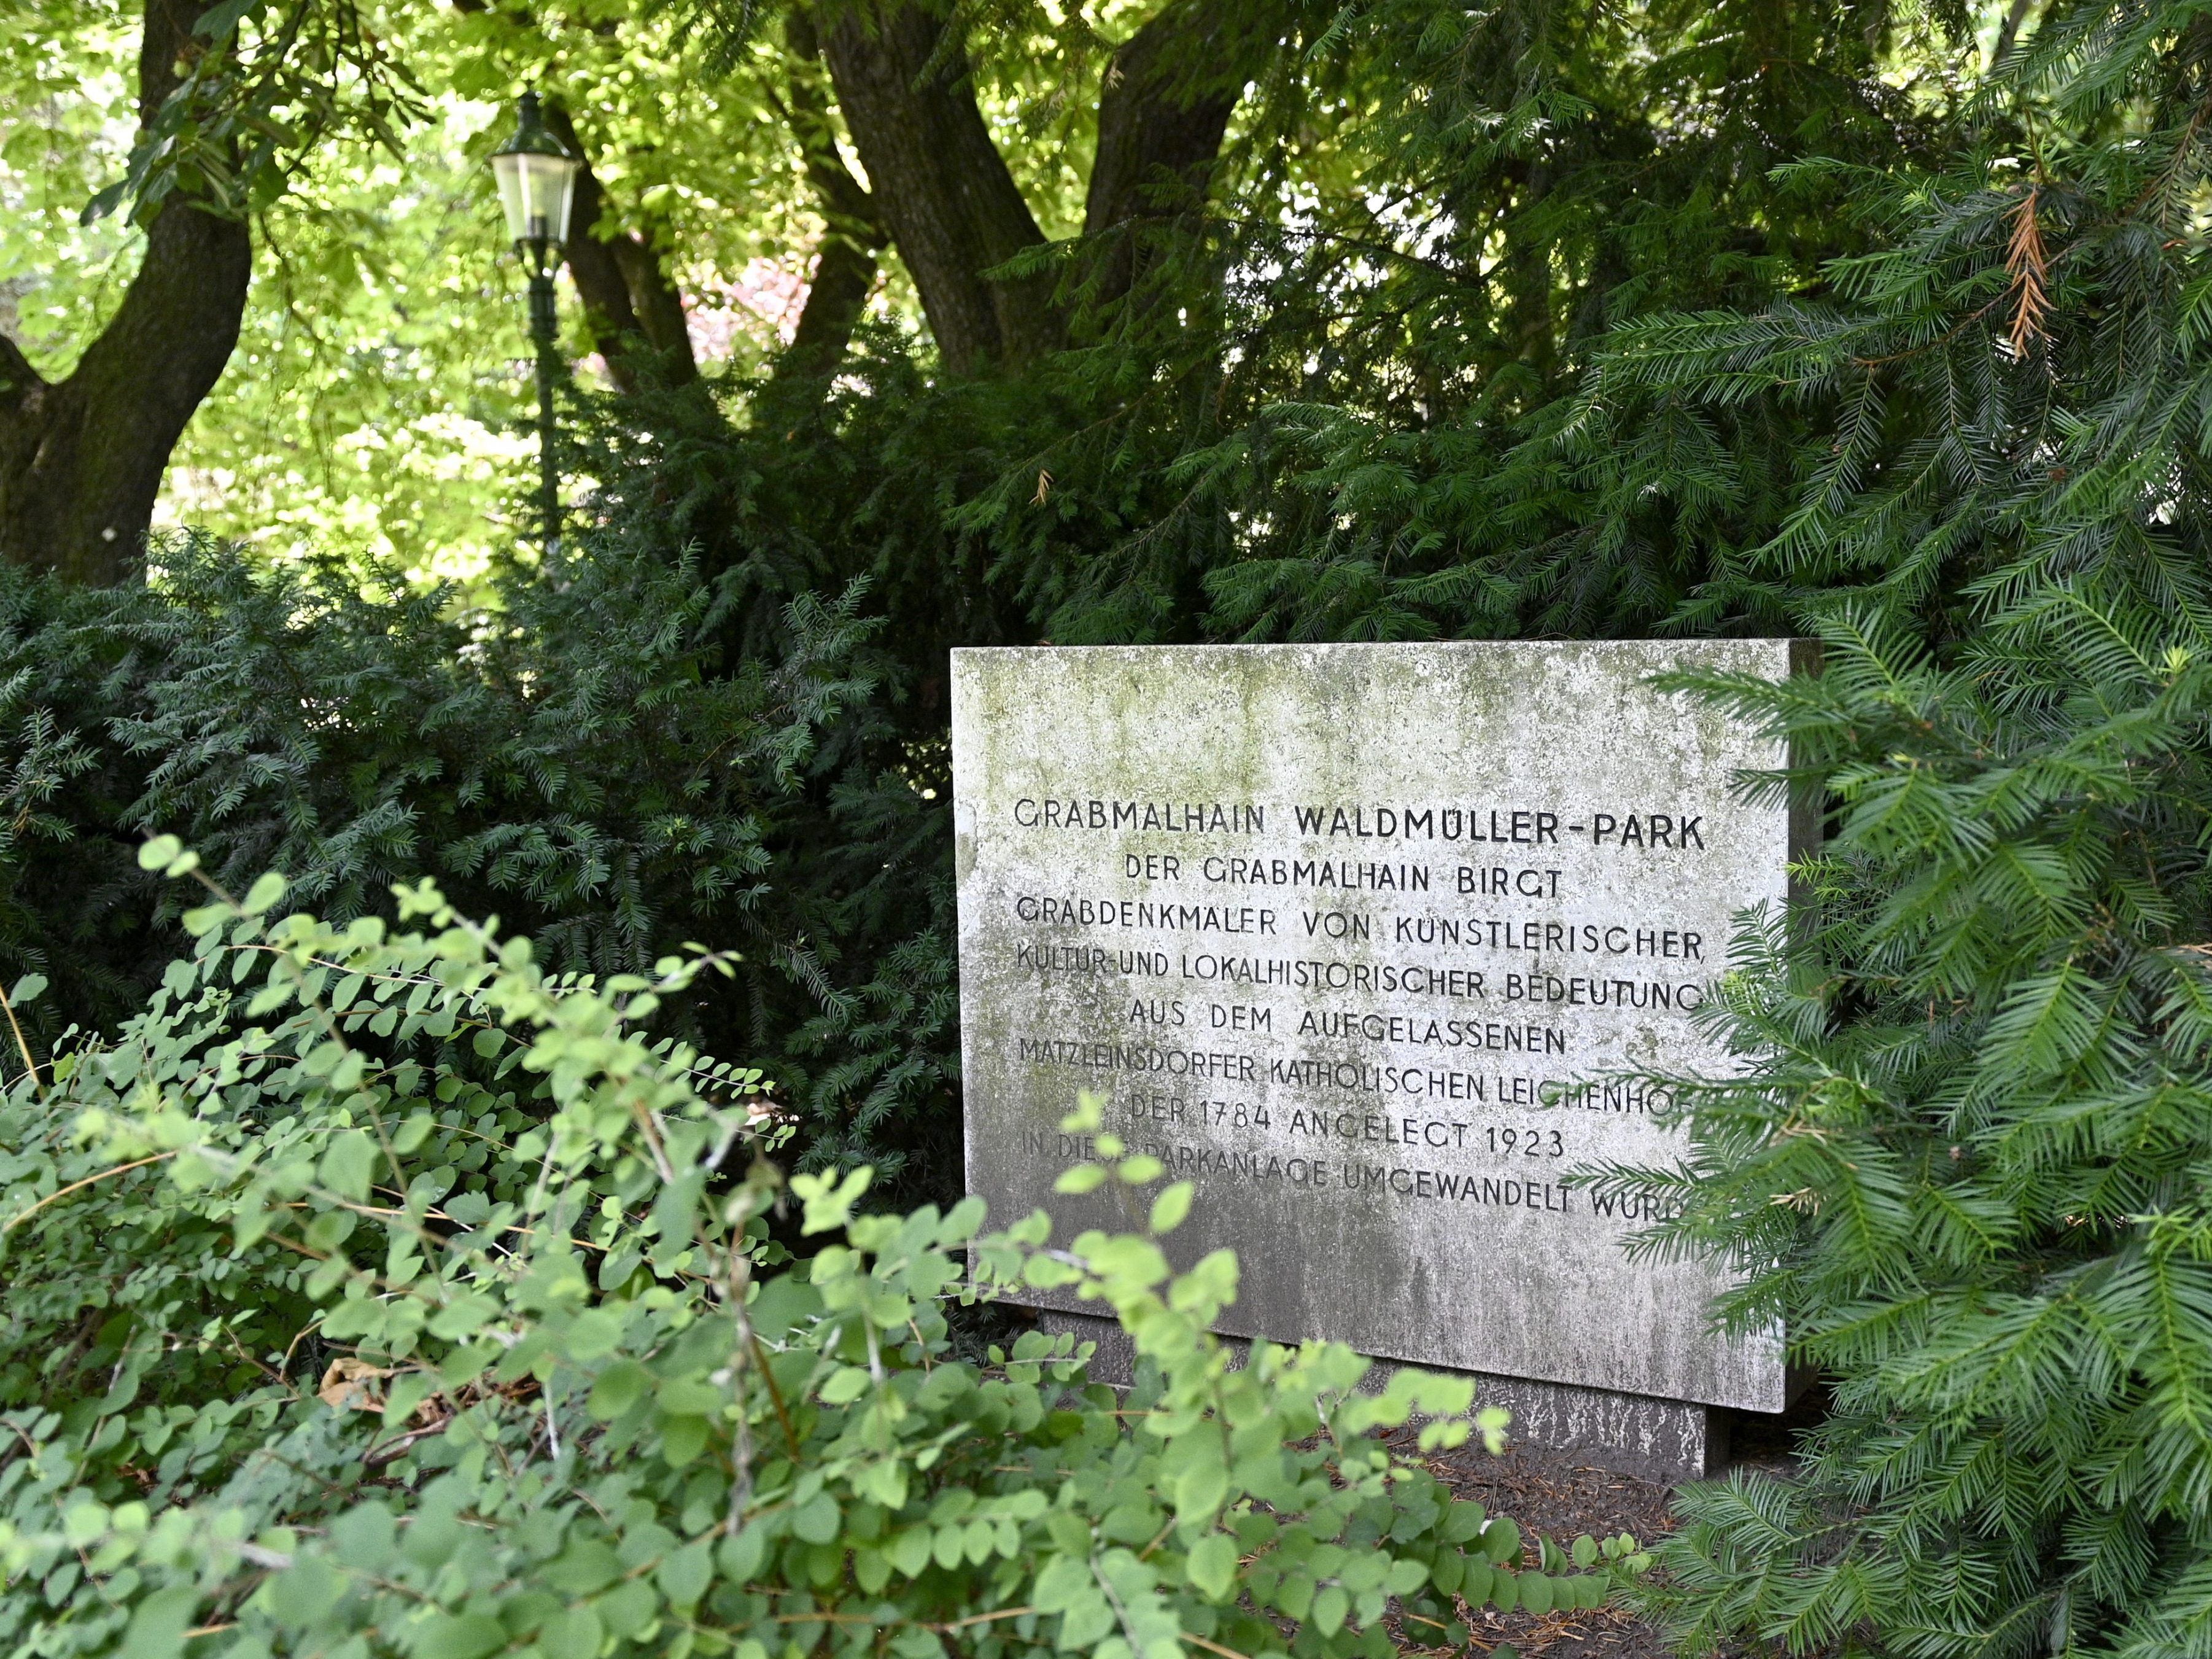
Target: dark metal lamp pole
542,263
537,188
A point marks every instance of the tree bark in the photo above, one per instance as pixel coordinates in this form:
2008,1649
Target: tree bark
940,186
1527,273
636,315
853,235
1171,89
82,458
2008,31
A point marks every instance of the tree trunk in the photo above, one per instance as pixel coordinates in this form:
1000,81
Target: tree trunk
1527,273
635,313
82,458
940,186
1169,91
853,235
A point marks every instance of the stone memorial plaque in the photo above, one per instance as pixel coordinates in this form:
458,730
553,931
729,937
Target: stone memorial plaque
1361,941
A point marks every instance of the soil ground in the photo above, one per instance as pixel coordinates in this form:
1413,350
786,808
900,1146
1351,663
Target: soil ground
1562,1498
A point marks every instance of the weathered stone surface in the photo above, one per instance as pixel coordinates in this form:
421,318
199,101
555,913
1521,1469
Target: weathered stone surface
1662,1440
1364,940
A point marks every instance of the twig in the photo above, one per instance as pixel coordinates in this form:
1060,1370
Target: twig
983,1618
392,1450
31,1064
1213,1647
120,1169
774,1393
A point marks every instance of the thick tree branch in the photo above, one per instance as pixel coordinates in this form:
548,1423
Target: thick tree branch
82,458
844,198
636,315
19,381
1169,91
941,186
844,263
1164,111
658,306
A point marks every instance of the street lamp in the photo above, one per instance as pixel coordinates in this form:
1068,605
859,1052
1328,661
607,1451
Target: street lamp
536,187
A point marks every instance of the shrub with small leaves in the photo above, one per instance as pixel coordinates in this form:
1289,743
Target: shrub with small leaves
376,1292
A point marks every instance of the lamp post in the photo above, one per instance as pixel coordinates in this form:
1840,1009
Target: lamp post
536,187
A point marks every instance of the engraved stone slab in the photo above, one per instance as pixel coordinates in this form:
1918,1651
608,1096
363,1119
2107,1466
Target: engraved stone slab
1661,1440
1361,940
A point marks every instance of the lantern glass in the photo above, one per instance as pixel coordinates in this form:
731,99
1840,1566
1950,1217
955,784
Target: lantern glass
536,180
537,190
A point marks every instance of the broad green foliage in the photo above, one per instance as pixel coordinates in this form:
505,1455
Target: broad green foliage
1312,425
372,404
382,363
1424,216
574,1401
1882,322
598,761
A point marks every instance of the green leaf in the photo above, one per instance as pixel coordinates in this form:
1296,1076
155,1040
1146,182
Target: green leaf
1212,1566
593,1335
218,20
628,1608
459,1636
681,1440
157,1628
365,1539
1200,1490
740,1557
684,1576
574,1634
267,889
1501,1540
99,207
909,1551
347,1166
161,852
846,1384
1169,1208
1330,1608
818,1519
28,989
1062,1583
301,1595
587,1565
690,1396
1405,1576
619,1386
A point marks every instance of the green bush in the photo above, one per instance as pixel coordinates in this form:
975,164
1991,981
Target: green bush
1971,1155
375,1291
591,758
1968,1163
